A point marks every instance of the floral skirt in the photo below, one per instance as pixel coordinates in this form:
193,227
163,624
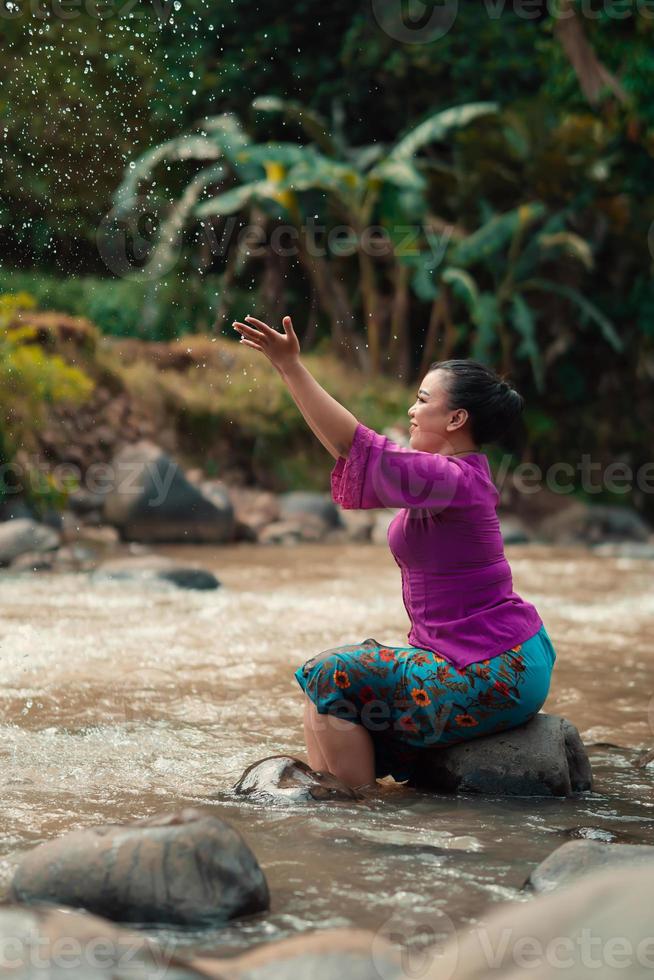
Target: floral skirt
411,699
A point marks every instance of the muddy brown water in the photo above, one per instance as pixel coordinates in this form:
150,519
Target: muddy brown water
118,701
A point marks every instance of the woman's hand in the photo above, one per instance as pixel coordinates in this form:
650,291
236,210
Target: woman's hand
281,349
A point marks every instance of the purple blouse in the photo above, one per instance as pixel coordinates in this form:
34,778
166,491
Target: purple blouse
456,582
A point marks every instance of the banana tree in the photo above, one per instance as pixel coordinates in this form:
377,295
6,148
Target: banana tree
492,275
361,186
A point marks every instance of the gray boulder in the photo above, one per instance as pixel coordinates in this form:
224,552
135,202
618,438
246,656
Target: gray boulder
282,778
594,523
152,500
577,858
59,944
543,757
187,867
25,535
148,568
298,503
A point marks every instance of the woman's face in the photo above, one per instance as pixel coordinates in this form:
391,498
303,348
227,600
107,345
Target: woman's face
433,424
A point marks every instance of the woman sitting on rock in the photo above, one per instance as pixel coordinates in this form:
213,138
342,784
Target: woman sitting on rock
479,658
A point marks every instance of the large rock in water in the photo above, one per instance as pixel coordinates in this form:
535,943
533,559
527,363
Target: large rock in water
280,777
151,500
600,928
59,944
188,867
544,757
578,858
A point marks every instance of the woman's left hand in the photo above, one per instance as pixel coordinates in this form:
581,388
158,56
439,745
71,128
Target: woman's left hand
281,349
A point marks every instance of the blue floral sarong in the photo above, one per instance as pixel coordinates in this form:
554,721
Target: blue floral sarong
411,699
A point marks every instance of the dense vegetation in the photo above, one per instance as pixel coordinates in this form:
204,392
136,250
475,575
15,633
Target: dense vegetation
532,244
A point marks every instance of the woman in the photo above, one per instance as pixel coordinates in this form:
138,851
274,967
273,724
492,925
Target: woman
479,658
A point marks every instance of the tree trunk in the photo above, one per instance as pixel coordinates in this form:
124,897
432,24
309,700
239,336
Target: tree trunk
593,76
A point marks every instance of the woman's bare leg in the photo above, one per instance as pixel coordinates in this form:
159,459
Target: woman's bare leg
317,760
345,747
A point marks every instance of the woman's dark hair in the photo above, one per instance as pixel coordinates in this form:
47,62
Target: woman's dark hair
494,406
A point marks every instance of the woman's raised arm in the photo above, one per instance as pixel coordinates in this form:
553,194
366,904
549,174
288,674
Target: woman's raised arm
330,421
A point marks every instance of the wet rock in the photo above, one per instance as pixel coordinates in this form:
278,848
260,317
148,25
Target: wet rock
283,778
330,954
597,929
59,944
187,867
544,757
577,858
300,503
644,759
151,567
151,500
25,535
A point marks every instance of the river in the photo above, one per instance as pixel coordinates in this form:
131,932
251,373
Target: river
118,701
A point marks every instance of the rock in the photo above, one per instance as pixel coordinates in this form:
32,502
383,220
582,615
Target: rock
33,561
358,524
283,778
25,535
59,944
329,954
625,549
254,509
597,929
187,867
300,503
82,502
151,500
577,858
593,523
380,527
514,530
306,528
76,557
153,567
544,757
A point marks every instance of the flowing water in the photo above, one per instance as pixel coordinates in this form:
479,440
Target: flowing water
118,701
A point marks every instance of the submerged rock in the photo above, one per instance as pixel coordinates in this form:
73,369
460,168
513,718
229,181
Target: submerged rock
187,867
152,500
151,567
59,944
544,757
578,858
281,777
330,954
